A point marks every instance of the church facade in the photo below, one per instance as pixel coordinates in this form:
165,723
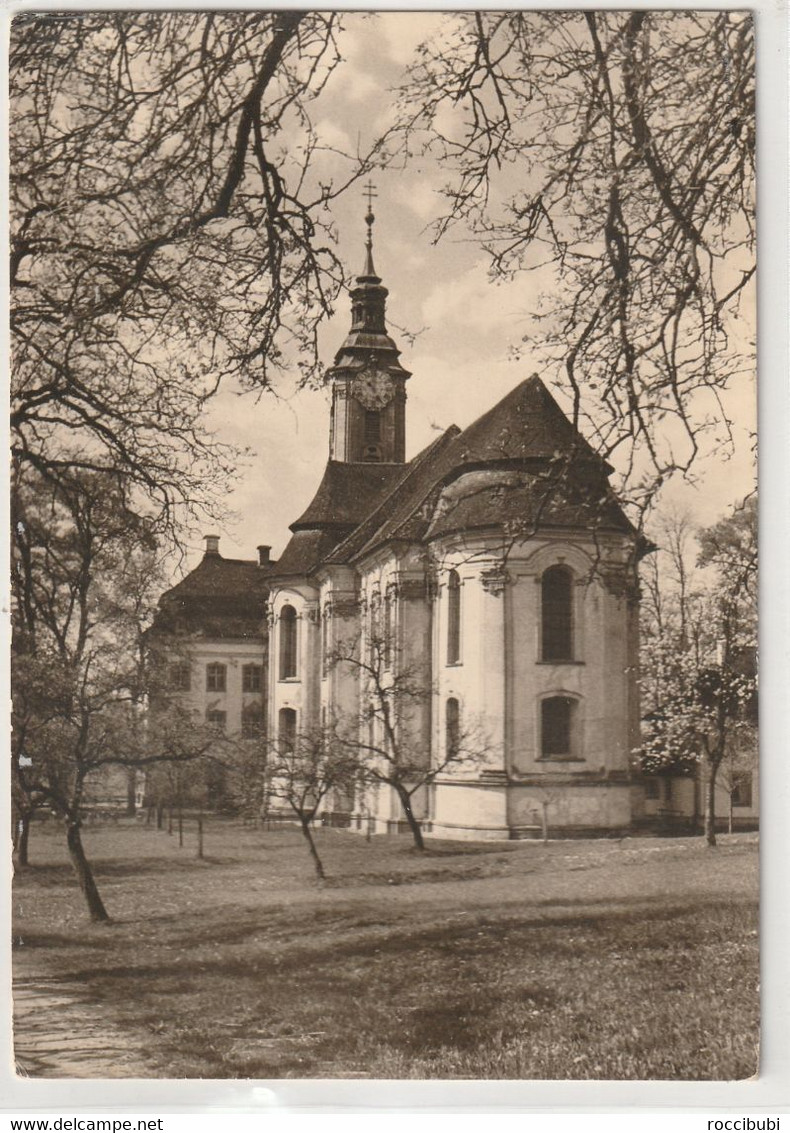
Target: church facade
496,564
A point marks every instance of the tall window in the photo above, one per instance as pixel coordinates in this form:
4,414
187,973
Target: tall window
325,642
288,629
372,426
557,614
742,791
557,719
251,721
453,618
251,678
216,677
452,727
286,729
389,629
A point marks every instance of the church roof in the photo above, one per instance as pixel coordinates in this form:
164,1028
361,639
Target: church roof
560,480
347,493
527,424
418,478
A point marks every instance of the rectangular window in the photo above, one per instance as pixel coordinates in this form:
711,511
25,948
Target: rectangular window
652,789
251,678
557,614
742,794
217,719
216,677
251,722
288,643
286,731
180,677
556,718
372,426
453,618
325,642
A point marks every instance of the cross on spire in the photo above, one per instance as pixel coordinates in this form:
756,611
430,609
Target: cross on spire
370,193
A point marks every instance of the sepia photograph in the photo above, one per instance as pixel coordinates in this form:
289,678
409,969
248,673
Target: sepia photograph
384,545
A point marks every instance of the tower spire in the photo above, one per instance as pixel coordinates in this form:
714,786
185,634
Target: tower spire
369,271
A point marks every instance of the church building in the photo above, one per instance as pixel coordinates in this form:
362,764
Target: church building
496,563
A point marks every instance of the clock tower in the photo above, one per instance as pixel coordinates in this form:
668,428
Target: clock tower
368,422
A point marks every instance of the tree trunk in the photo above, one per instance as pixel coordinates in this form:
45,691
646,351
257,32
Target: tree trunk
170,820
131,792
200,836
180,827
84,873
729,816
710,807
160,812
414,825
319,869
22,840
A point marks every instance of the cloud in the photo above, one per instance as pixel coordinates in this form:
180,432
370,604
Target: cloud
403,32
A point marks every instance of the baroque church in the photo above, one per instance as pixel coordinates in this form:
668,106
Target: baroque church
497,563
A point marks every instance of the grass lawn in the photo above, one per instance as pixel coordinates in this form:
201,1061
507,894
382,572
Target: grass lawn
589,959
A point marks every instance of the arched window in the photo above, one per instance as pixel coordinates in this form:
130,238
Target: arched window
453,618
288,629
286,729
557,614
216,677
557,727
452,727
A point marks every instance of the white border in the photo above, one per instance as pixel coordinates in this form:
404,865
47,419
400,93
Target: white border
770,1092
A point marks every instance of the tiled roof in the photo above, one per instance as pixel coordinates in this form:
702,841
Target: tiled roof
523,501
306,549
219,598
347,493
527,424
526,430
419,477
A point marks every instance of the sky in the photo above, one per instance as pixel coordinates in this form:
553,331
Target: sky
465,325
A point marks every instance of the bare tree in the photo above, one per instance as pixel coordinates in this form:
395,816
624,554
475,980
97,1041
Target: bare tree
615,152
388,736
169,232
78,677
303,770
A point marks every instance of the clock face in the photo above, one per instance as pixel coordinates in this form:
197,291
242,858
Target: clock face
374,388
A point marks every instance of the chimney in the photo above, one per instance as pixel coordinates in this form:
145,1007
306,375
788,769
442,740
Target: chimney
212,544
263,554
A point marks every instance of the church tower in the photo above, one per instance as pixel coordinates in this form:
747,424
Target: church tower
368,421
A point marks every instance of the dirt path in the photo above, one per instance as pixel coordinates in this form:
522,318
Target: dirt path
60,1032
